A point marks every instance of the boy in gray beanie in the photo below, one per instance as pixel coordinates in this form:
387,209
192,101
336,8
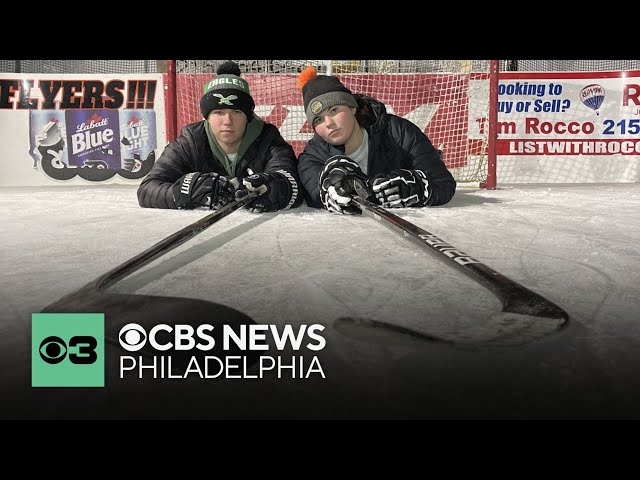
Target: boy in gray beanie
358,146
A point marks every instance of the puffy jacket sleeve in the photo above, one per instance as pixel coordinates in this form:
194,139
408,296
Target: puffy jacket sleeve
155,189
310,163
427,158
281,158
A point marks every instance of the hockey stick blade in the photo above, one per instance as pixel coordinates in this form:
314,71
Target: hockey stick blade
516,299
148,310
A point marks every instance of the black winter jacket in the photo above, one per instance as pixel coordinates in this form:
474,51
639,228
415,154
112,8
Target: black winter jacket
394,142
190,152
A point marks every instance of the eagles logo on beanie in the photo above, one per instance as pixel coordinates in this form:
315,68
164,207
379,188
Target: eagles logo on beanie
320,92
227,90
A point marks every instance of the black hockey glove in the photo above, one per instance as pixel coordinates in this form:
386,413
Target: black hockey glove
198,189
340,179
402,188
277,190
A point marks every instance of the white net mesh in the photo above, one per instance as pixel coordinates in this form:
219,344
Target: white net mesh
447,99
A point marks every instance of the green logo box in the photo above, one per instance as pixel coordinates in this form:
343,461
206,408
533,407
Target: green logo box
67,350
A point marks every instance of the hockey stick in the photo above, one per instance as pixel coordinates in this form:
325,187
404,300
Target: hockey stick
515,298
148,310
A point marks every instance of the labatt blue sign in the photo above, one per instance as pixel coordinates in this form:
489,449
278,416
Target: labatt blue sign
90,128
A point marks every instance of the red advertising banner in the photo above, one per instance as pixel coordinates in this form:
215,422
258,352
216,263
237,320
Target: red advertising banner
571,127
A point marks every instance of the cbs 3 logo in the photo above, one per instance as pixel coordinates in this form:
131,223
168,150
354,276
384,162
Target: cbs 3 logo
54,350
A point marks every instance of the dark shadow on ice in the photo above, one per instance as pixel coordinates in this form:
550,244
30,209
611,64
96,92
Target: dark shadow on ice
466,199
373,331
170,265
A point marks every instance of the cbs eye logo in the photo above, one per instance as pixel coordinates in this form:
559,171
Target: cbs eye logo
53,350
67,350
132,337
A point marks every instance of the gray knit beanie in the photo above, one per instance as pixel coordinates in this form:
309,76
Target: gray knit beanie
320,92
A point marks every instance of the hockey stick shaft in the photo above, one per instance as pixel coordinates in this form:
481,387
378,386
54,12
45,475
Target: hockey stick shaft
514,297
149,310
169,243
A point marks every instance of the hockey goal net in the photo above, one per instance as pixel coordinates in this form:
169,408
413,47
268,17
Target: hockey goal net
448,99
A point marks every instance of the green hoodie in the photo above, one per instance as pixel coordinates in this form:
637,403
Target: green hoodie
254,128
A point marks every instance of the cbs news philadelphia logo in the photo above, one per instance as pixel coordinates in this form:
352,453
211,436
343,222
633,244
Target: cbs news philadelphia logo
67,350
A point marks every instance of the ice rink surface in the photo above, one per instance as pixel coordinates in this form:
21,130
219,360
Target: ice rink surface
576,245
